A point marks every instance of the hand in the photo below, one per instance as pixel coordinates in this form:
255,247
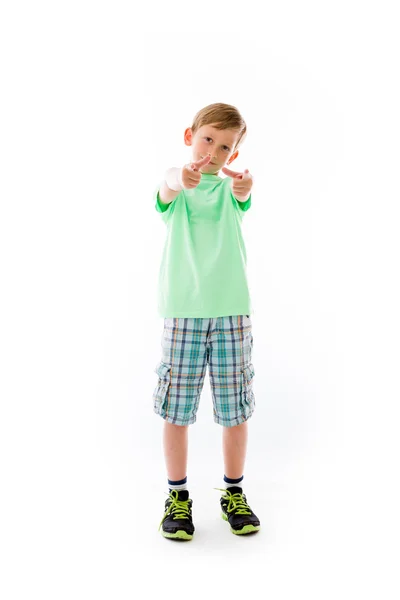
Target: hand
241,183
191,175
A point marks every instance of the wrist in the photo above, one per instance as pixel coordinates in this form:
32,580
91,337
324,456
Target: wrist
173,179
243,198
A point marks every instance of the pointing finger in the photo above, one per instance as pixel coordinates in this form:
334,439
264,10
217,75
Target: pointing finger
200,163
231,173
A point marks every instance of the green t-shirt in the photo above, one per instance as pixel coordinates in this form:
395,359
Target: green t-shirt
203,266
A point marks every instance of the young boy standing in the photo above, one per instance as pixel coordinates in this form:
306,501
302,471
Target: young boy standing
205,302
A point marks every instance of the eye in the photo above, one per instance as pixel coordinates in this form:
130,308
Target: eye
208,139
226,148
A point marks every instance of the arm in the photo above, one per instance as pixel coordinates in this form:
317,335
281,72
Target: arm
177,179
167,195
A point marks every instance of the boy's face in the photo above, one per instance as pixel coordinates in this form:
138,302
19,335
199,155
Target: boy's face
219,143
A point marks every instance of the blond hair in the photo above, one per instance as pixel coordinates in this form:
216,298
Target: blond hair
221,116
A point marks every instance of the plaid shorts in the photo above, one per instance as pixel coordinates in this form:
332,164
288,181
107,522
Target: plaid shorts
188,345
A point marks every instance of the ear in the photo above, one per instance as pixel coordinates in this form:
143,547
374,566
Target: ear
232,158
188,136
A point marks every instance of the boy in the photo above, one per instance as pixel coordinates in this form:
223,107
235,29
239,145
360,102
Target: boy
204,299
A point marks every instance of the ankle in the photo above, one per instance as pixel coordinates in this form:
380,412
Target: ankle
178,485
229,482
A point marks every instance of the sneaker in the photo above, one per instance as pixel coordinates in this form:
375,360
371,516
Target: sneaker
236,510
177,520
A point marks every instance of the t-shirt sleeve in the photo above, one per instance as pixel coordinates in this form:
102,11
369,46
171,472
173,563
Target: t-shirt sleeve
244,205
164,209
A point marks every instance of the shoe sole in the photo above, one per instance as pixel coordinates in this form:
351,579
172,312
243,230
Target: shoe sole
245,530
178,535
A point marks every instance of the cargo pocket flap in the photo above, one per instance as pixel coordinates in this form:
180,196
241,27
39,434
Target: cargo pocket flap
248,373
247,396
162,370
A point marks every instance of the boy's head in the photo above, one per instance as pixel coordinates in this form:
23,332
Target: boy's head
218,130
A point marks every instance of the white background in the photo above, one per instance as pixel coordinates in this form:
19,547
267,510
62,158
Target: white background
94,101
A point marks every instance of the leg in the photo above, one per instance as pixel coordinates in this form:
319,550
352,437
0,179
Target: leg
182,370
231,370
234,505
234,441
177,522
175,441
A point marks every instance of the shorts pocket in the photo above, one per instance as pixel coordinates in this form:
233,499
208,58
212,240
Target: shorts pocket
247,396
163,371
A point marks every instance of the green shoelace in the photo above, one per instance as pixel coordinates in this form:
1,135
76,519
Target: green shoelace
179,508
236,502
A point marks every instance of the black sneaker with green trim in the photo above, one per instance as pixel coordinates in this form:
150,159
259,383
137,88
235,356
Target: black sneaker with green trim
177,520
236,510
